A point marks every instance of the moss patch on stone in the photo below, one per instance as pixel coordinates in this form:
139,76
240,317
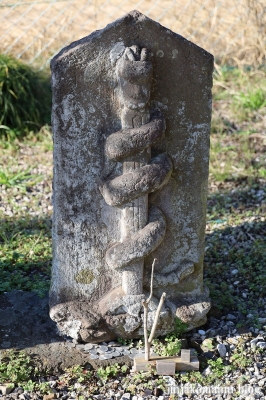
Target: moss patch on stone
84,276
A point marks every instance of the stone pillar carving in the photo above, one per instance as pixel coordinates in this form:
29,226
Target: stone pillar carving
131,116
141,233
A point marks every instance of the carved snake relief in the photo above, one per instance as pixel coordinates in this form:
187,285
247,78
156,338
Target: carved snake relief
142,230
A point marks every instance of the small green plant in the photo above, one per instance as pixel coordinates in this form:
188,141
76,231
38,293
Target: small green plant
110,370
16,367
171,346
180,327
126,342
253,99
20,180
77,372
218,368
140,344
239,360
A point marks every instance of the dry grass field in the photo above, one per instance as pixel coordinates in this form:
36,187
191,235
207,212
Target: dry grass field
233,30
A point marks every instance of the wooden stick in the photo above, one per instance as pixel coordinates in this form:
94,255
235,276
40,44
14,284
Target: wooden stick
145,304
156,317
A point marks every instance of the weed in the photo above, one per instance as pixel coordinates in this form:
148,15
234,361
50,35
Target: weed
218,370
126,342
253,100
171,346
140,344
239,360
110,370
20,91
20,180
16,367
180,327
76,373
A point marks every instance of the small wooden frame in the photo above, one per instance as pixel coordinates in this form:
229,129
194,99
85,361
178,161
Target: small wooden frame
168,365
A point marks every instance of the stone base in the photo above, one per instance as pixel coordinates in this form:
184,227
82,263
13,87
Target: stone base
120,315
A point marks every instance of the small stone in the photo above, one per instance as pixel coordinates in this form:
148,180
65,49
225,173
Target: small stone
70,344
201,332
222,350
147,392
94,356
206,371
89,346
49,396
230,317
262,382
232,340
103,349
5,389
116,354
93,352
253,342
126,396
80,346
234,272
134,350
261,345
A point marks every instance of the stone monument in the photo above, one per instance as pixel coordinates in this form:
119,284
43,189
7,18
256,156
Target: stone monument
131,123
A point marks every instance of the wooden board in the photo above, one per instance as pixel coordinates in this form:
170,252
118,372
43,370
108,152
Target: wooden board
140,364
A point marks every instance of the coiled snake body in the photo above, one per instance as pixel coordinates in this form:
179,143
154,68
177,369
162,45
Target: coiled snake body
142,230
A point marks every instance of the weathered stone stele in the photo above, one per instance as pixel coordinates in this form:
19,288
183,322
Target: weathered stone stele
131,123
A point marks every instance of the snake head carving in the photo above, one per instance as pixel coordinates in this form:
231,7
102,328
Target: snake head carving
134,73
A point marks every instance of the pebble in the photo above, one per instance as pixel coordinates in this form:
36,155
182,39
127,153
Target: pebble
230,317
262,345
89,346
222,350
102,349
94,356
234,272
201,332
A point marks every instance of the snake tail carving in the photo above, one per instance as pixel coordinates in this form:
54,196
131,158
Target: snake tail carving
142,229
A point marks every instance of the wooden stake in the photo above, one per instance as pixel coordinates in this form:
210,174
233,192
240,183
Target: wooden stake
145,304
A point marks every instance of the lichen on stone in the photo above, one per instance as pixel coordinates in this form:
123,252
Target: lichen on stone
84,276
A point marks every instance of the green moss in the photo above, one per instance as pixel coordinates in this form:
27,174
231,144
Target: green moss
84,276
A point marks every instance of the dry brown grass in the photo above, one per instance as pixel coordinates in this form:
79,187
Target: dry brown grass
233,30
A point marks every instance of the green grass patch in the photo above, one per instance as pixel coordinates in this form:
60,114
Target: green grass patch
25,98
20,180
252,100
237,155
25,255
